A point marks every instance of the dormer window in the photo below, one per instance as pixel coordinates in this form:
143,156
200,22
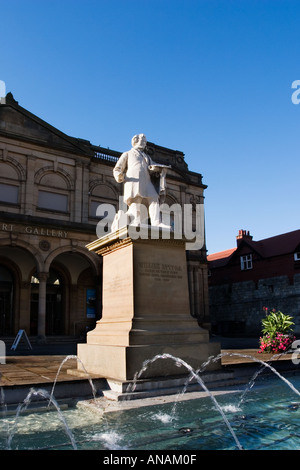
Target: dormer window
246,262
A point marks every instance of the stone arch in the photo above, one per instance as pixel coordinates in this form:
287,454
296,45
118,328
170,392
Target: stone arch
171,199
22,260
56,266
10,161
57,287
11,266
171,212
78,261
103,190
91,257
9,172
49,170
100,193
26,247
12,180
9,296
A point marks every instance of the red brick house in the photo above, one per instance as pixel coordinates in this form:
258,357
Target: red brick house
254,274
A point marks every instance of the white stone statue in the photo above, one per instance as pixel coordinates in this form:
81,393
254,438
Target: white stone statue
134,168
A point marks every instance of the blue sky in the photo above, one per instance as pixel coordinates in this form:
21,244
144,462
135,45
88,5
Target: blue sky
210,78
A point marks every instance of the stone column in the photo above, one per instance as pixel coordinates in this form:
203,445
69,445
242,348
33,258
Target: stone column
24,301
28,196
85,193
197,292
42,307
78,193
191,290
206,315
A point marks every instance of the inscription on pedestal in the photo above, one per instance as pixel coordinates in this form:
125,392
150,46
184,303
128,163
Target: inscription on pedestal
160,272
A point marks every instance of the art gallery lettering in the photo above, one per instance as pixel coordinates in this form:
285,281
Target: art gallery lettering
46,232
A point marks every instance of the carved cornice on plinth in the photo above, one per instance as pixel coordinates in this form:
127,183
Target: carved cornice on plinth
123,237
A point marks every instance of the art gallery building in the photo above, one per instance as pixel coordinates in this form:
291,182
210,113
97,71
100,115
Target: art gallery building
50,187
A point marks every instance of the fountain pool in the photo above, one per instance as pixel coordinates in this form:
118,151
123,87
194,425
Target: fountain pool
267,416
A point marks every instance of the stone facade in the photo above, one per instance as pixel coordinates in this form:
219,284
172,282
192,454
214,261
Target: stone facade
50,187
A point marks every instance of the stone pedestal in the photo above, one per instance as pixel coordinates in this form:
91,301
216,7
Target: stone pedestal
146,310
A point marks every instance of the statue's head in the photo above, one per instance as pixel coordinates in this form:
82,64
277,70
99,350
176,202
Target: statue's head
139,141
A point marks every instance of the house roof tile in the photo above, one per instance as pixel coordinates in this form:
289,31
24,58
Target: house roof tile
267,248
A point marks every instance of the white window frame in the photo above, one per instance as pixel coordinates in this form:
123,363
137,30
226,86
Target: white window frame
246,262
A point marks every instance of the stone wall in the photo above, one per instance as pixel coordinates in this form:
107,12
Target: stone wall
237,309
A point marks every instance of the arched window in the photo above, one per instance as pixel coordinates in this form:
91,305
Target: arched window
101,194
171,213
9,184
53,190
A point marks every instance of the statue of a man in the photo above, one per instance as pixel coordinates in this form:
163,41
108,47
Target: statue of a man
134,168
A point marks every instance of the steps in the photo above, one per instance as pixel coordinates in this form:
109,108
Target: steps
8,340
119,391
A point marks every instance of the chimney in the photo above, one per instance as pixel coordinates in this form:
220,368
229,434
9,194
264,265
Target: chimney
243,235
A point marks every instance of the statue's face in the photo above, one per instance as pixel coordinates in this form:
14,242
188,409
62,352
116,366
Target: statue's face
140,141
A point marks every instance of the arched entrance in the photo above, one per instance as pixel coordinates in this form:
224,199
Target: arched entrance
54,304
81,288
6,302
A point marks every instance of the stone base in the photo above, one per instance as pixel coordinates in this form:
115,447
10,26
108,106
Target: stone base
125,363
131,390
146,311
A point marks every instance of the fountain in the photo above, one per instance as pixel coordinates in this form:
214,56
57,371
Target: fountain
25,404
147,340
267,417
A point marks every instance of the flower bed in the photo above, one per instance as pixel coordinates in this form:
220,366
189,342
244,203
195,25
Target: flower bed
279,343
277,333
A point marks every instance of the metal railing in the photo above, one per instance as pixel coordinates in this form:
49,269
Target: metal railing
106,154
